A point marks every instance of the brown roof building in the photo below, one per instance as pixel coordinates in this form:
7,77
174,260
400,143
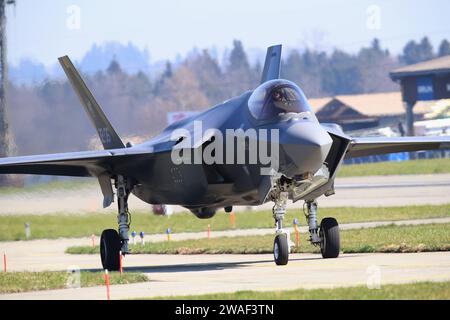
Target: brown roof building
337,111
374,104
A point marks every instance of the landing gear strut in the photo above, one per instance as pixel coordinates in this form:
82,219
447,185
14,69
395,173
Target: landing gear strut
123,217
311,217
113,242
327,236
281,247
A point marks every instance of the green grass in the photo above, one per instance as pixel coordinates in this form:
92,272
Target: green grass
433,237
410,291
63,225
57,185
12,282
425,166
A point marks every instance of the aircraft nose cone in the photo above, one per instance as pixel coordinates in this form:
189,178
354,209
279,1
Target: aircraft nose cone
306,146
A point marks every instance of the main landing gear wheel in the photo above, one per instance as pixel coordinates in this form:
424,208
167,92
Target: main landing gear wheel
281,250
110,250
329,236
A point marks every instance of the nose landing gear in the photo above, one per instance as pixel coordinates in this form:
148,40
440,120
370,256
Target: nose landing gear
281,245
325,235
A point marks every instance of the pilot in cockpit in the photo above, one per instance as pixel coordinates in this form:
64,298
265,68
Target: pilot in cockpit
276,97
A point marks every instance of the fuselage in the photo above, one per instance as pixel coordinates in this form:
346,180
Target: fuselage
294,142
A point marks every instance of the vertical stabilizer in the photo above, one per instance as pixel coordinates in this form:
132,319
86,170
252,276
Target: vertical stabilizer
272,64
108,136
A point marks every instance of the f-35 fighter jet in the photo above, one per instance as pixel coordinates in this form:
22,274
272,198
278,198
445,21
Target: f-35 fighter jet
264,145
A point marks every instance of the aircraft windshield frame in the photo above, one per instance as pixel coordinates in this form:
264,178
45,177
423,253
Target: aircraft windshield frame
277,97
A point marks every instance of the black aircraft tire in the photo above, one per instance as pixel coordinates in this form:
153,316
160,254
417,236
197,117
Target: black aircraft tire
110,250
330,241
281,250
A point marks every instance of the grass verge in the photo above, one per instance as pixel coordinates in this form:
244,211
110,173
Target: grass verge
433,237
13,282
424,166
72,184
410,291
61,225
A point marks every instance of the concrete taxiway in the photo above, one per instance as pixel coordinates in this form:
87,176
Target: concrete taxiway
198,274
46,254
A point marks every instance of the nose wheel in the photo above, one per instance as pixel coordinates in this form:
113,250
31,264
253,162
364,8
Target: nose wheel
281,244
281,249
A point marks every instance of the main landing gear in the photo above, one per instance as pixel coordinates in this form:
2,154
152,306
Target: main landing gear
112,243
326,236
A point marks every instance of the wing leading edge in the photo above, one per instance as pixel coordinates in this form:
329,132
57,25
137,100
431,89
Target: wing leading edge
76,164
361,147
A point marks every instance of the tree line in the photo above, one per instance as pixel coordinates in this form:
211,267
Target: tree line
47,117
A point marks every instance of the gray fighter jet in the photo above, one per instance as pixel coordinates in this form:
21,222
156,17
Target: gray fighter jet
220,158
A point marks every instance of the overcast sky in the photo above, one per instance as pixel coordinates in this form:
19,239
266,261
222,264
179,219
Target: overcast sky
45,29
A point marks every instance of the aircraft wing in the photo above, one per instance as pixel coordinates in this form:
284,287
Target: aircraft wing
361,147
77,164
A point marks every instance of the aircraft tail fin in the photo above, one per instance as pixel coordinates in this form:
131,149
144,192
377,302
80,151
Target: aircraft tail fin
272,64
108,136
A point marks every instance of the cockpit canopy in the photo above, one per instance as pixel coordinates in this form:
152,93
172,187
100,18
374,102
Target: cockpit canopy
276,97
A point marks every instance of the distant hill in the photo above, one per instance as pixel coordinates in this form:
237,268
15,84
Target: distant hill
27,72
130,58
